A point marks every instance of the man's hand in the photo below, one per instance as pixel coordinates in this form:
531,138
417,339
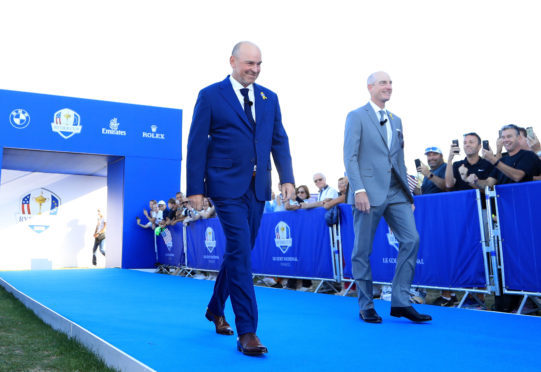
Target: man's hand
499,147
361,202
196,201
463,171
452,153
472,180
489,156
424,170
534,144
288,191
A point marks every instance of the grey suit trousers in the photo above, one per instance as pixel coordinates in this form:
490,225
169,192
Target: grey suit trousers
398,214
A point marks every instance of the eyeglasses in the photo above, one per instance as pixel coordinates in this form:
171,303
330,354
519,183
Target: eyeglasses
433,149
301,192
318,180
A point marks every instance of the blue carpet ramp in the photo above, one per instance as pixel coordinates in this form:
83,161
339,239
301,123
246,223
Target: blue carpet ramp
159,321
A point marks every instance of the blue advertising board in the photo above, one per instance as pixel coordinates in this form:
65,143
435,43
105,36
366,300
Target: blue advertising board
450,250
518,211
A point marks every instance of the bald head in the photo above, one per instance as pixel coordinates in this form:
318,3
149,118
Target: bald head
380,87
246,62
243,45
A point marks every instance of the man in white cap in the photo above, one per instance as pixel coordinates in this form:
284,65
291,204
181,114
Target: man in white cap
434,181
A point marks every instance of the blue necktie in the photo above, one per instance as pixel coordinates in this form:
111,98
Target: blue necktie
247,105
383,123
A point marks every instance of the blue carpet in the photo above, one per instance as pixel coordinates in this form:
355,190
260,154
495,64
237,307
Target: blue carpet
158,319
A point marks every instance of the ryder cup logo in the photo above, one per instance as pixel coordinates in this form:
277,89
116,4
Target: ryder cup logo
391,239
66,123
167,239
154,133
19,118
39,207
210,239
282,236
113,125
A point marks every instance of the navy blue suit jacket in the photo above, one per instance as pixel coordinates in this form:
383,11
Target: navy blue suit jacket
223,146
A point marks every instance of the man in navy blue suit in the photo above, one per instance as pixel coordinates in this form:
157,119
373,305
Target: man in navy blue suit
236,125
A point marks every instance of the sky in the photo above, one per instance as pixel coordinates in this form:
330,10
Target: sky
456,66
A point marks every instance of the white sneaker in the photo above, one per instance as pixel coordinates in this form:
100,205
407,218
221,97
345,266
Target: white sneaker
386,293
269,281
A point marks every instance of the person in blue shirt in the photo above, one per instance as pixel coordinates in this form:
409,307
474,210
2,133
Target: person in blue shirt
434,180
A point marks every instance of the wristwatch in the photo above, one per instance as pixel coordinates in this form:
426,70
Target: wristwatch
431,175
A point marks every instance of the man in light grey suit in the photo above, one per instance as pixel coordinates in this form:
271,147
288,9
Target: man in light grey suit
374,161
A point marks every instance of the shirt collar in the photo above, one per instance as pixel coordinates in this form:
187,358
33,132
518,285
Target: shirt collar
377,109
238,86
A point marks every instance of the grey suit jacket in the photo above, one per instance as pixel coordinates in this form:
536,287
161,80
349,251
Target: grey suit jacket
368,160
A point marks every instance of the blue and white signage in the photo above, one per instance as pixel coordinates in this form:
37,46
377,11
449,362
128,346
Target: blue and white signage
19,118
66,123
38,209
113,128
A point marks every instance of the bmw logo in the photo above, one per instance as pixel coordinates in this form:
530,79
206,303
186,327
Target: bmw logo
19,118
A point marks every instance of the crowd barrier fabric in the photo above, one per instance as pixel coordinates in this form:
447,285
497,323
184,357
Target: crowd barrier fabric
450,251
295,244
205,244
170,246
520,227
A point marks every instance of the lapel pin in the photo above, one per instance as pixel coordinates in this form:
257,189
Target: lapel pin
263,95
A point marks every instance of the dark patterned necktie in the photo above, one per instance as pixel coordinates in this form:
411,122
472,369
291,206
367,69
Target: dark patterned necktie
247,105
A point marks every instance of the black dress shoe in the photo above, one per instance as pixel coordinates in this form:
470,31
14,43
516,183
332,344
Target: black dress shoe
222,327
249,344
370,316
410,313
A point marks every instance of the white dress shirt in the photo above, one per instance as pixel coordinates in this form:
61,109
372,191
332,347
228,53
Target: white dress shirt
251,95
387,127
387,123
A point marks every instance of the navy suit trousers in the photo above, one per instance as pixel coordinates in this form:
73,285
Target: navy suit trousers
240,219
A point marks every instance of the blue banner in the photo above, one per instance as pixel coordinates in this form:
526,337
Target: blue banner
205,244
520,226
295,244
57,123
450,251
170,246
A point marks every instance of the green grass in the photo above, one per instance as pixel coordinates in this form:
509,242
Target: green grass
28,344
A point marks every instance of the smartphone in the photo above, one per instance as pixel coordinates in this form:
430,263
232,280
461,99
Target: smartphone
485,145
455,144
529,132
417,163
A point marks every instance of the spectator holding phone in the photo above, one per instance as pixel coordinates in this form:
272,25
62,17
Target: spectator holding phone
459,176
434,177
518,166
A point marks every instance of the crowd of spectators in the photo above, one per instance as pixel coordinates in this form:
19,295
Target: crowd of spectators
481,167
178,209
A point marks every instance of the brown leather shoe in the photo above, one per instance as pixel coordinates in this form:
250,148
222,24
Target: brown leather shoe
222,327
249,344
